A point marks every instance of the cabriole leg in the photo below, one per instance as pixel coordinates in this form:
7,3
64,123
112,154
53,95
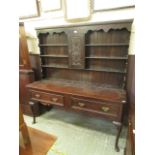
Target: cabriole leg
33,111
119,128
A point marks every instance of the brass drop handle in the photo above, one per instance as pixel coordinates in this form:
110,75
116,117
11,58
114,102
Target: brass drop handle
54,99
105,109
37,95
81,104
123,101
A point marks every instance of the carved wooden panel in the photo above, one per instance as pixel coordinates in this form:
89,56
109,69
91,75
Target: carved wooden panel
76,51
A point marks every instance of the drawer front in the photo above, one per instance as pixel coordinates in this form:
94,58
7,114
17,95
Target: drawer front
47,98
108,109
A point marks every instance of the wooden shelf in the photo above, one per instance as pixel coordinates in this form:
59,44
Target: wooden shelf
54,45
87,69
108,44
54,56
51,66
106,57
106,70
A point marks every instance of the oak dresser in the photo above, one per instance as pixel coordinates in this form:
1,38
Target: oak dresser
84,69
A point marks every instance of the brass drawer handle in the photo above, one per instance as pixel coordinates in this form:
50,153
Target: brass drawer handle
81,104
37,95
123,101
54,99
105,109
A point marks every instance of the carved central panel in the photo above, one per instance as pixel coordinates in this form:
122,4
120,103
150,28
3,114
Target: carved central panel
76,52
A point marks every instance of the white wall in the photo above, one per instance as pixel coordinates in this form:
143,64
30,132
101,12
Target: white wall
57,18
132,40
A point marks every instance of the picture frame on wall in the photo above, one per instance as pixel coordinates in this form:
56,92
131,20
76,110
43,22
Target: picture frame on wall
51,5
75,12
29,9
103,5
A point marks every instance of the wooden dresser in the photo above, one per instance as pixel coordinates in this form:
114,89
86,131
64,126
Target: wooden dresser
84,69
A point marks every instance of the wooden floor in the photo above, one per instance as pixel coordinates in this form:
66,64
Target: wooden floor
40,143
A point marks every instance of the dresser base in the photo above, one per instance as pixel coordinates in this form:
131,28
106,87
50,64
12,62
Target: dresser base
92,100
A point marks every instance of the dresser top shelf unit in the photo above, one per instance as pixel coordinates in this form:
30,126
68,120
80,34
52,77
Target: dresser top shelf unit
95,53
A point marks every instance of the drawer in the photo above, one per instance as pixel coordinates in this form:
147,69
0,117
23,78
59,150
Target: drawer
47,98
111,110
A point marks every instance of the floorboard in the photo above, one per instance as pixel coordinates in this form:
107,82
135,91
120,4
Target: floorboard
40,143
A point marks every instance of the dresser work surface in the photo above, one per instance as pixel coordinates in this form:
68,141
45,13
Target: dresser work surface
84,70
